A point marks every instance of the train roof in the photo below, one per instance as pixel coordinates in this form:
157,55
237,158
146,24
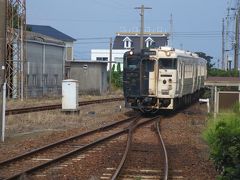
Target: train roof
178,52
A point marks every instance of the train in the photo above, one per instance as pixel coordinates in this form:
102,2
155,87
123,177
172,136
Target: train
162,78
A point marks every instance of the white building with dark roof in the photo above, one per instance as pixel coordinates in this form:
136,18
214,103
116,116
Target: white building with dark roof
123,42
132,40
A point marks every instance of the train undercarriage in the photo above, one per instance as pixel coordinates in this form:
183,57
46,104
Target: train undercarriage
147,104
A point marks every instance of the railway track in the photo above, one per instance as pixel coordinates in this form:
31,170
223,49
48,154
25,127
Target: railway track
52,155
56,106
130,172
43,157
164,150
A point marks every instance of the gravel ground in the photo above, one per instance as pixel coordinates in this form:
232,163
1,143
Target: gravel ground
31,130
186,149
182,133
11,104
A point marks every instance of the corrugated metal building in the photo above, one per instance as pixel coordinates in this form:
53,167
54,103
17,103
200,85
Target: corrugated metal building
45,65
47,51
54,33
91,75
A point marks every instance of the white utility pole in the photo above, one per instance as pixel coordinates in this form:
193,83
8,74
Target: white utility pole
110,65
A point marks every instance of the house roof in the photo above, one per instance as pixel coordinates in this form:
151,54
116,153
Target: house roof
37,37
158,34
222,81
158,41
50,31
80,62
89,61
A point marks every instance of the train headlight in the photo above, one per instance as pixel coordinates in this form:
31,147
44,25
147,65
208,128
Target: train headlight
131,53
170,80
168,53
164,81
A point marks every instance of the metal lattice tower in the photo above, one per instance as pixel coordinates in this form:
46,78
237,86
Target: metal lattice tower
16,28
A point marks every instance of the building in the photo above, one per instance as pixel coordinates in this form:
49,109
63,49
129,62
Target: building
132,40
54,33
104,55
91,76
47,50
44,69
223,99
125,41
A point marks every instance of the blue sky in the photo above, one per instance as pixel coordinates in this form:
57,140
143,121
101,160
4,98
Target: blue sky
197,24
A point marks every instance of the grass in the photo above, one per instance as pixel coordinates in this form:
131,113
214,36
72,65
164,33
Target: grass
57,120
17,103
223,137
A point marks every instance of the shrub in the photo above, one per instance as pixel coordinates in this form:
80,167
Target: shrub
223,138
116,76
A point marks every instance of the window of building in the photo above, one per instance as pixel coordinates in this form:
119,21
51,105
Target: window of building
102,58
55,79
45,79
69,53
34,80
127,42
118,59
27,80
149,42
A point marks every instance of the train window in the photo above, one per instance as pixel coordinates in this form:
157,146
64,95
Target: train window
132,63
168,63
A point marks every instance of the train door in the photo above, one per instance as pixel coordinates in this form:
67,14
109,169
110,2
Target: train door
148,77
194,77
131,76
179,74
182,77
200,75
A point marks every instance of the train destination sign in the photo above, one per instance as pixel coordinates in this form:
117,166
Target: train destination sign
149,53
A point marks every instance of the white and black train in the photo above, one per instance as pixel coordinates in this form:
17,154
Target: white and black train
162,78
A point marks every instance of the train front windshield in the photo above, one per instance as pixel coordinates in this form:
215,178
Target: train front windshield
132,62
168,63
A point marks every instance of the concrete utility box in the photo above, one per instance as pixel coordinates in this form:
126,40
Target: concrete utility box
70,95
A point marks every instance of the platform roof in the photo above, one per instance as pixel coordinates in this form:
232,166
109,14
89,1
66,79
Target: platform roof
222,81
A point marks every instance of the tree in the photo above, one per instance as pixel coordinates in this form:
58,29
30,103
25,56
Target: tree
117,76
208,58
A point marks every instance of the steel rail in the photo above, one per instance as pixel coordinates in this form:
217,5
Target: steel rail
64,156
131,129
165,151
3,163
129,141
56,106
